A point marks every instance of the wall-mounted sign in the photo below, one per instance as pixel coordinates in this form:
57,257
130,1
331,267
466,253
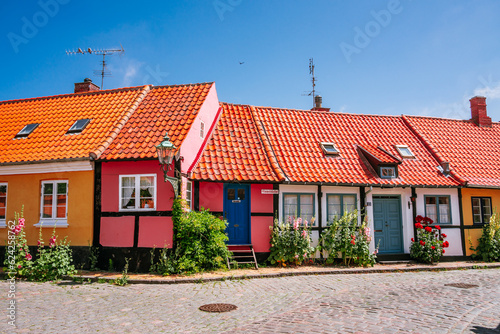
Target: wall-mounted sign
269,191
236,201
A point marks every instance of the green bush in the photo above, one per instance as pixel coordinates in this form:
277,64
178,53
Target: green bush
165,264
346,238
488,249
430,243
290,242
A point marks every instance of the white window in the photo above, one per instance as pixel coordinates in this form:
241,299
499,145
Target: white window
137,192
202,130
298,205
329,149
387,172
3,204
189,194
338,205
405,151
54,204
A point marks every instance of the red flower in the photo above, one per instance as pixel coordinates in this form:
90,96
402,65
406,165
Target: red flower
422,243
419,218
438,227
412,240
353,242
444,235
418,225
446,244
427,220
433,247
428,229
443,251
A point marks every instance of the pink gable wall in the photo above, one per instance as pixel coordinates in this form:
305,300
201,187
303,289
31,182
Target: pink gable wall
117,231
110,183
155,232
211,196
192,144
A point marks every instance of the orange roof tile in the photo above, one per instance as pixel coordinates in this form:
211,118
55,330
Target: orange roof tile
165,108
235,151
472,151
108,111
295,137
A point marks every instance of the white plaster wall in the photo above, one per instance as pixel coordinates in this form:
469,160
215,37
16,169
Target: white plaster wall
406,213
453,234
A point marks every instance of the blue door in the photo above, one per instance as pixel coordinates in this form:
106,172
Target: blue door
237,213
388,224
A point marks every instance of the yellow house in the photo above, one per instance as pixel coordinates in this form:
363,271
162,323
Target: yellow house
48,147
469,150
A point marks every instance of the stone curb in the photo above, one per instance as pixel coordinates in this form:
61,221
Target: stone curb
105,279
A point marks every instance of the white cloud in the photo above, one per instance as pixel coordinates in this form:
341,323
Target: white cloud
130,72
489,91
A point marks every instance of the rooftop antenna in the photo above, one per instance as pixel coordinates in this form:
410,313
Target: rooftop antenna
100,52
313,79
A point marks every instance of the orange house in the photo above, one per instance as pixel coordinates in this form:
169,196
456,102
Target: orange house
48,148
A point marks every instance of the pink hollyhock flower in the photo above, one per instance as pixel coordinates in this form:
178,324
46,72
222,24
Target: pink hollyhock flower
52,242
375,252
306,223
367,231
299,220
296,256
296,225
305,255
28,257
21,221
19,266
39,243
289,219
304,234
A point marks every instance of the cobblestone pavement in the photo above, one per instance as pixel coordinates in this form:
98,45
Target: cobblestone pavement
356,303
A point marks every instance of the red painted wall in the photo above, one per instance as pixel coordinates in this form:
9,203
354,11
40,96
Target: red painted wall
155,232
110,183
117,231
211,196
261,233
259,202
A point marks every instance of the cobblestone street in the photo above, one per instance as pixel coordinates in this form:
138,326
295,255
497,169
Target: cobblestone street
357,303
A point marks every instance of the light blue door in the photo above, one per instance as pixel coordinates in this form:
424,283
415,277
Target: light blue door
237,213
388,224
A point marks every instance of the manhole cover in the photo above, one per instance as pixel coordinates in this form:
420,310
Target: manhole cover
218,307
462,285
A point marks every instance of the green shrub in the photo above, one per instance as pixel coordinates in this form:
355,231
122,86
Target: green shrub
346,238
165,264
430,243
123,280
488,249
290,242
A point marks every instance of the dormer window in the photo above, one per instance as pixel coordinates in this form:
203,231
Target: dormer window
387,172
405,152
329,149
79,125
27,130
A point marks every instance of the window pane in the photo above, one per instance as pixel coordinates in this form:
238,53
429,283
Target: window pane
2,213
61,211
47,212
128,181
47,200
334,211
306,207
3,201
147,203
349,203
61,188
290,205
147,181
241,194
128,203
48,189
444,210
3,190
486,210
231,194
431,208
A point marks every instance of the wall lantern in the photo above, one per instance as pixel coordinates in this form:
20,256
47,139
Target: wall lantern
166,153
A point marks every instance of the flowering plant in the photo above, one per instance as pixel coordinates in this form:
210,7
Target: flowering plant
18,259
488,249
290,242
348,239
429,244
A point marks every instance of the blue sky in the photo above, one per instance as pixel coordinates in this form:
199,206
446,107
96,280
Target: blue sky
375,57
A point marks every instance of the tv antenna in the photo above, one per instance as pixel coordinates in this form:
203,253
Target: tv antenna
103,72
313,79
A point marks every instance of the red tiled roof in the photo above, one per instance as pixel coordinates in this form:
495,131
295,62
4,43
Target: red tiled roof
294,136
108,110
380,154
235,151
472,151
165,108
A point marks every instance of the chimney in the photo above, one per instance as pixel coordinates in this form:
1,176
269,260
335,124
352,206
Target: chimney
318,101
86,86
478,111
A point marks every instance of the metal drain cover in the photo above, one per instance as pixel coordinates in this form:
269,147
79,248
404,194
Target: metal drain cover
462,285
218,307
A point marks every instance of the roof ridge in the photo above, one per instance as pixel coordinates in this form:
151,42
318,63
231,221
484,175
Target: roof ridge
95,92
433,151
181,85
97,153
444,118
273,161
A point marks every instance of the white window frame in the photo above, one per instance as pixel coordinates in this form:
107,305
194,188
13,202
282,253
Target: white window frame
137,191
405,147
189,194
4,220
387,168
327,151
53,222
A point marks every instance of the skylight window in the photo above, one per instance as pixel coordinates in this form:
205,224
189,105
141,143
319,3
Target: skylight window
79,126
27,130
329,149
404,151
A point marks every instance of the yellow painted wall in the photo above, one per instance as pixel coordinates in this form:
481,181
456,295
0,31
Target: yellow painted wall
25,190
467,193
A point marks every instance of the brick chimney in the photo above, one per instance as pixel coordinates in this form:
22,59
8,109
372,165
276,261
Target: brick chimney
318,101
478,111
86,86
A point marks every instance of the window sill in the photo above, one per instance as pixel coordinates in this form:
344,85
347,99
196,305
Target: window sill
52,224
135,210
3,223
